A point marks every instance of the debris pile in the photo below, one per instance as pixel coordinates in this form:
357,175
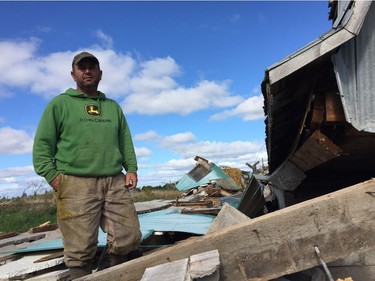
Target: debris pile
207,188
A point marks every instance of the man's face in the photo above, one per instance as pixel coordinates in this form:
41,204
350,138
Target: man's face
86,74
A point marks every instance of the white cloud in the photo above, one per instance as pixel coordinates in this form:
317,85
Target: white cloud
28,185
186,146
233,154
107,40
174,169
249,110
15,141
143,86
180,138
142,151
149,135
15,172
16,180
180,100
165,141
125,78
219,151
118,70
170,171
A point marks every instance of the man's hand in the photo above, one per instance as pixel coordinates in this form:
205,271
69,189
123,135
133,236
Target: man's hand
131,180
55,182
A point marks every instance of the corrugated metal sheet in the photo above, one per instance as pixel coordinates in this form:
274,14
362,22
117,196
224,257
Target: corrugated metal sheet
355,73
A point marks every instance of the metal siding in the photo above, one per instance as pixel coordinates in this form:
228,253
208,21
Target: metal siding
355,73
366,73
341,12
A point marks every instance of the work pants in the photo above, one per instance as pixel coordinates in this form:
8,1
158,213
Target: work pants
84,204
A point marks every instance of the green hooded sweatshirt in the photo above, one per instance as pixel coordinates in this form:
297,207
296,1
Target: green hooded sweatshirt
83,136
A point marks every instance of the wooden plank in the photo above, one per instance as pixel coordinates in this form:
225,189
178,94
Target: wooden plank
308,55
325,44
9,258
57,275
204,211
43,228
277,243
26,265
334,110
194,204
355,23
21,239
173,271
151,206
316,150
56,255
317,115
205,266
287,177
7,235
228,216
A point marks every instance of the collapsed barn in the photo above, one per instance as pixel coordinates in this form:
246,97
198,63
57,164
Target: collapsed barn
319,103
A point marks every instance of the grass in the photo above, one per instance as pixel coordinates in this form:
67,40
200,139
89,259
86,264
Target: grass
22,213
149,194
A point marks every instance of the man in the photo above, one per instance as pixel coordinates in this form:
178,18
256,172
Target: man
81,146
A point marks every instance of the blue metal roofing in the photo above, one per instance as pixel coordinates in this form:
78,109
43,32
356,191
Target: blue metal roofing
172,220
188,182
165,220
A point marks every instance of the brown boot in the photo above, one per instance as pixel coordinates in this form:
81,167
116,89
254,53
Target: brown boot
107,259
79,271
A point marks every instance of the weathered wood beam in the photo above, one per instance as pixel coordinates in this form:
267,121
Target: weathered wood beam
287,176
172,271
317,114
317,150
21,239
43,228
334,109
8,235
279,243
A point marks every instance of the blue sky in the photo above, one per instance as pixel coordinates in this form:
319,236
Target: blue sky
187,75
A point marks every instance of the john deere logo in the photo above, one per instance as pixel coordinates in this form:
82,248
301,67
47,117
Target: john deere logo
92,110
